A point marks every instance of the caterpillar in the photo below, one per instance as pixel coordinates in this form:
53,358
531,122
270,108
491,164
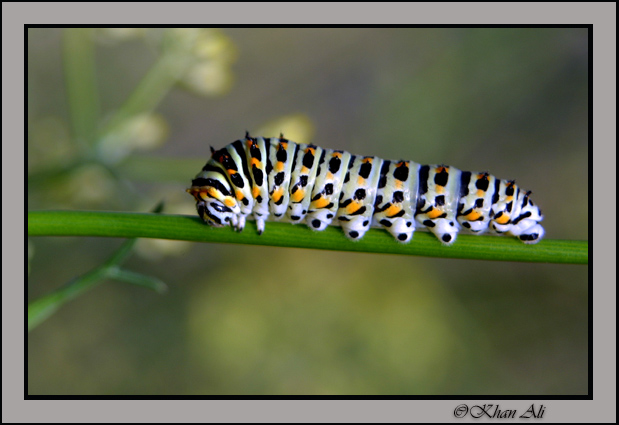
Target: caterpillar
275,178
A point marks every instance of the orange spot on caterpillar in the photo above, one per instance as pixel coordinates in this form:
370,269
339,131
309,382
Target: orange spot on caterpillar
277,195
434,213
353,207
213,193
320,203
298,195
472,216
392,210
502,219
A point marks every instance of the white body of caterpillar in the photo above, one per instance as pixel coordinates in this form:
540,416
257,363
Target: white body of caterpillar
274,178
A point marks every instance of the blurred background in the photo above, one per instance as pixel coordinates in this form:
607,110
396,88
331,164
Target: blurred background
120,119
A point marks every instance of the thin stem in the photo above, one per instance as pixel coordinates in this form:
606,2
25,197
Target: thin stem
139,279
177,227
83,96
43,307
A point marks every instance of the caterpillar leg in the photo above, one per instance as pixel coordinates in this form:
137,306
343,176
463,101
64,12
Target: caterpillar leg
296,213
238,222
528,231
401,229
445,230
532,235
475,227
355,228
260,224
318,220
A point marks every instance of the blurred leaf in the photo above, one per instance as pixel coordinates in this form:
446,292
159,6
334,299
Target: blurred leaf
208,78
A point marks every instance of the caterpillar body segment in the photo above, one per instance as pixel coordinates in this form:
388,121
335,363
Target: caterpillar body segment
281,159
396,198
277,179
332,168
303,176
437,202
358,196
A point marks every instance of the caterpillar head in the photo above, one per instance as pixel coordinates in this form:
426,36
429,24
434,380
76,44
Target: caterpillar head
215,213
214,208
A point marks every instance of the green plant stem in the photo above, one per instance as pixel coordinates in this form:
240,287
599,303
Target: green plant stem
137,279
83,96
177,227
43,307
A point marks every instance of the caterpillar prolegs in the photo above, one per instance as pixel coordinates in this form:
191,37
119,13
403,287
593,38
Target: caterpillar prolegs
275,178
